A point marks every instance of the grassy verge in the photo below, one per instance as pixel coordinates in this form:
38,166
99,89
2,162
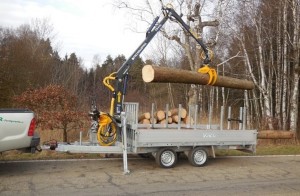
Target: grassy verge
264,150
50,155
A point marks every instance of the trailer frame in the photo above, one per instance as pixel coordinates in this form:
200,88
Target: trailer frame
196,141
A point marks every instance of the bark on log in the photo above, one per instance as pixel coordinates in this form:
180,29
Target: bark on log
158,74
144,116
275,134
176,111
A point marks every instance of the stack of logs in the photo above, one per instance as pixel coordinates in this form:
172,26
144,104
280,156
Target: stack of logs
162,117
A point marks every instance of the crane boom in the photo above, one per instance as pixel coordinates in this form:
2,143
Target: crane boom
121,76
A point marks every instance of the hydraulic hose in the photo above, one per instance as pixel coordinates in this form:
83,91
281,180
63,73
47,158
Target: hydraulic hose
107,131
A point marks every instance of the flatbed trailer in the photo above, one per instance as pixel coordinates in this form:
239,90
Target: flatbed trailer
165,142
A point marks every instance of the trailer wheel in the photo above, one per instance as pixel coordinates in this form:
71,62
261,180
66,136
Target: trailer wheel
166,158
198,156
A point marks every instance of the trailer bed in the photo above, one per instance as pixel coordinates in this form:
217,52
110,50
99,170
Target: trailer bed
164,142
191,137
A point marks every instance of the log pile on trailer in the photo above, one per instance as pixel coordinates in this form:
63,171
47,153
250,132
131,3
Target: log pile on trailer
172,116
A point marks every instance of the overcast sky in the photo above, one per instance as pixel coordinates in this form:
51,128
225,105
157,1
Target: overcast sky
86,27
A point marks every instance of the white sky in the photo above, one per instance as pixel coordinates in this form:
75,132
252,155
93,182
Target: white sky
86,27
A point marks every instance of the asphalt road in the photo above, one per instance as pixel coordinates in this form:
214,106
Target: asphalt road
276,175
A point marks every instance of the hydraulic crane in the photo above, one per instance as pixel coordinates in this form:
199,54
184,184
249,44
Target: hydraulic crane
105,124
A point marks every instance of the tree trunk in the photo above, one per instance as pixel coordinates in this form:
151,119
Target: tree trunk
65,135
278,82
165,74
294,112
285,72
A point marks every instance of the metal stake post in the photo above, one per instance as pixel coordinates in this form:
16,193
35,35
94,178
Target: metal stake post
179,116
80,138
244,118
222,118
124,142
241,118
152,115
167,116
228,118
196,117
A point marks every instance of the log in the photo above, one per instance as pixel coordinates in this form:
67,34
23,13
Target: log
175,118
169,113
160,115
144,121
176,111
153,120
170,120
275,134
158,74
144,116
188,120
162,122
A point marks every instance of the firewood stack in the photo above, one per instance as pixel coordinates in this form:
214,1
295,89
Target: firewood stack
161,117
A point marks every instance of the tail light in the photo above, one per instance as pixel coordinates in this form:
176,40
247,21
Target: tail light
31,127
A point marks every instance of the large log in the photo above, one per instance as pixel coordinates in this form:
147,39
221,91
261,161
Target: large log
151,73
275,134
144,116
175,118
153,120
160,115
170,120
188,120
175,111
144,121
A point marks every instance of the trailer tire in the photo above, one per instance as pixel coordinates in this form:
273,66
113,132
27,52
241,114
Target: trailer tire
198,156
166,158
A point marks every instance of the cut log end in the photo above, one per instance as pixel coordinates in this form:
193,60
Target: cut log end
148,73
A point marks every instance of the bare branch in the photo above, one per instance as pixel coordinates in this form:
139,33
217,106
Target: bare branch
235,56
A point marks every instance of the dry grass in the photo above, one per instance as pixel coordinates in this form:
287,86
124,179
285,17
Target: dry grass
271,149
56,134
262,149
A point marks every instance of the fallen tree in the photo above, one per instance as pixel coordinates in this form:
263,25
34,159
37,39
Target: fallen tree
151,73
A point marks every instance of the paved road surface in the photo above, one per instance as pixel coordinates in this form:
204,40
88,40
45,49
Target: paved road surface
278,175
